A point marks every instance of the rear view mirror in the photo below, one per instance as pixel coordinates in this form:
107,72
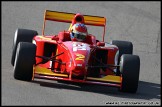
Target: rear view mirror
100,43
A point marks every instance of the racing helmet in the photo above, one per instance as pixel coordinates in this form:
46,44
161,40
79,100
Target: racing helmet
78,32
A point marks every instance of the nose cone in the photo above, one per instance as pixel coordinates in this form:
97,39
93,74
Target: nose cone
79,53
80,61
79,68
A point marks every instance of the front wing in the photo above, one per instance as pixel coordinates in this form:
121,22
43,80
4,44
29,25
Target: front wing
44,73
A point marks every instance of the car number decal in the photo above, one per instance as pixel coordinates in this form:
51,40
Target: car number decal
80,57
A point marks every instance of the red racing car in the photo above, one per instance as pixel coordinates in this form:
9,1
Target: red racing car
59,57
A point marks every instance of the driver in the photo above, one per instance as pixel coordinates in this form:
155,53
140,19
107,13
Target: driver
78,32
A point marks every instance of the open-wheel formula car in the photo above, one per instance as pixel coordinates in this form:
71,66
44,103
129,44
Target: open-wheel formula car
57,57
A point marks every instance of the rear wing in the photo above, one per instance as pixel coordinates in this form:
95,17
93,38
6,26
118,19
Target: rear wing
68,17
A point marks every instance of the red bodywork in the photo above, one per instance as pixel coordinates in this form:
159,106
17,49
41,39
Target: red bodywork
76,55
75,59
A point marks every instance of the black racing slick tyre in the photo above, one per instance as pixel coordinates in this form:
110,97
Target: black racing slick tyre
21,35
125,47
24,61
129,68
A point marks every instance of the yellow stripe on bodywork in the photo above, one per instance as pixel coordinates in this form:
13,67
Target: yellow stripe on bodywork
108,78
67,17
45,38
45,71
54,15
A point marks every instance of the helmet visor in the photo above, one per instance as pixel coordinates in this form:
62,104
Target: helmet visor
79,36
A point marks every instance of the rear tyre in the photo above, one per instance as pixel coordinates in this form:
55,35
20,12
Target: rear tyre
129,68
24,60
125,47
21,35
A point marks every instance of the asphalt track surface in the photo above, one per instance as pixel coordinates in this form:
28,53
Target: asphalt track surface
138,22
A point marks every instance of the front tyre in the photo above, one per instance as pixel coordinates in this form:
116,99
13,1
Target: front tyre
129,68
24,60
